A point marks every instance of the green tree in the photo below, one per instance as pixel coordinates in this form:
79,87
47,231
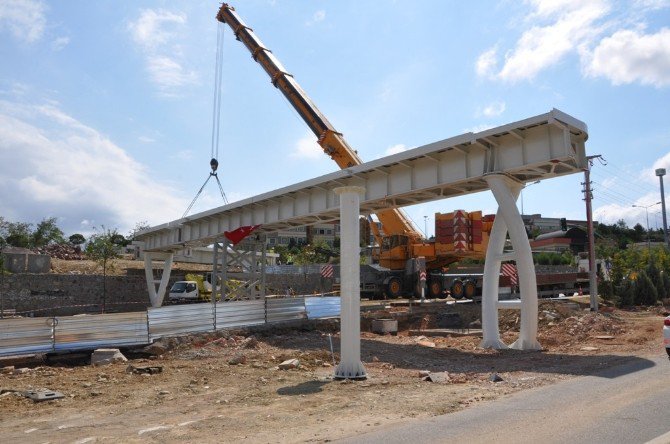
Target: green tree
19,234
645,292
626,293
47,232
139,226
77,239
656,278
102,249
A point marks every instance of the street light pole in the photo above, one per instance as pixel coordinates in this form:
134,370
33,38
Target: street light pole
660,172
521,193
646,210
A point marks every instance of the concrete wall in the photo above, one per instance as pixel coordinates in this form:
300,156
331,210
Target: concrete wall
26,262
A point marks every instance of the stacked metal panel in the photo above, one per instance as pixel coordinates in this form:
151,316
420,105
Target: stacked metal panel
180,319
288,309
322,307
26,335
239,313
462,233
86,332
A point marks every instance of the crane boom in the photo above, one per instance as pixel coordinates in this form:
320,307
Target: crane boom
394,221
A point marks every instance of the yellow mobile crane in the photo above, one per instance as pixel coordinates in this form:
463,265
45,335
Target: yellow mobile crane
400,241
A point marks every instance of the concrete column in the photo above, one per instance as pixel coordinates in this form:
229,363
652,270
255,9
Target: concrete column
505,191
156,296
490,289
350,366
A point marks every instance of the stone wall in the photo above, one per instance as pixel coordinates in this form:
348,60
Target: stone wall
65,294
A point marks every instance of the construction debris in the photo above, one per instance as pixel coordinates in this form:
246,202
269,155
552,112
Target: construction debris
105,356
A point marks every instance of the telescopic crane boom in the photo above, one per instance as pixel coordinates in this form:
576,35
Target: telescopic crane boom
394,221
458,235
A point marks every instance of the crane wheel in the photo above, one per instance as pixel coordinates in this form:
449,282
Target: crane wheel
470,289
435,289
393,288
457,289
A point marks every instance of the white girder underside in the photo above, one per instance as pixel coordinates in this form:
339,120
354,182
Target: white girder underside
540,147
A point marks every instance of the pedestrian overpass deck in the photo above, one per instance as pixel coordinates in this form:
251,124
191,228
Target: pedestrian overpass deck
540,147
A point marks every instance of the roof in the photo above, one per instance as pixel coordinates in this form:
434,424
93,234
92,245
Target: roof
572,233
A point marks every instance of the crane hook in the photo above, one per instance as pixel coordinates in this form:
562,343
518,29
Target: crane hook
214,164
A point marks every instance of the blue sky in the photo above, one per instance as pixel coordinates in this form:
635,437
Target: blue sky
106,106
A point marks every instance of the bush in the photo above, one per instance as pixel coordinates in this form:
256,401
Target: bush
645,293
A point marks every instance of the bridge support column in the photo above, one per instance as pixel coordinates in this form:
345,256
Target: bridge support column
350,366
508,219
156,296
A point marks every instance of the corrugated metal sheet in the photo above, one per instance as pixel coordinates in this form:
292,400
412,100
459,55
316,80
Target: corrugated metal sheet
179,319
322,307
25,336
85,332
240,313
287,309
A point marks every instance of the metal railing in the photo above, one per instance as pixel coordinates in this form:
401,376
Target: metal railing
20,336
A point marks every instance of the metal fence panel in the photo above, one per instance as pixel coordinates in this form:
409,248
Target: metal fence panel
322,307
85,332
285,309
240,313
178,319
26,336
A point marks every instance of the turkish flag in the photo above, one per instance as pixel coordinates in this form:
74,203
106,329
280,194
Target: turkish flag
237,235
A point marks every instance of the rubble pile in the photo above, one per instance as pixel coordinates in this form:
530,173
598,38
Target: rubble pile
62,251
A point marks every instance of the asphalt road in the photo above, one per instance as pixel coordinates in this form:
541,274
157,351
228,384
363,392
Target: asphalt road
624,404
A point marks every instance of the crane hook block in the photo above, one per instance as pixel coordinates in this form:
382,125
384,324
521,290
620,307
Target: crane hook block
214,164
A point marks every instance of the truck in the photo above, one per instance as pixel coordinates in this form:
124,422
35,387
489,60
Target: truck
407,261
184,291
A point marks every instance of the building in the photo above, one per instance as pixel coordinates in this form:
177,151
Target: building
300,235
573,240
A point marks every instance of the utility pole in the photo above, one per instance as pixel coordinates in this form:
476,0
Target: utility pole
593,278
660,172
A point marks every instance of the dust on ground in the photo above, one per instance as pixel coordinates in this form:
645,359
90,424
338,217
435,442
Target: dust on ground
227,386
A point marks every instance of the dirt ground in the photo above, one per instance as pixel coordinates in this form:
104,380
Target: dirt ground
227,386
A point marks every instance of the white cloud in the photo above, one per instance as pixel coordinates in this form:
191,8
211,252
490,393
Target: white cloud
629,56
543,46
60,43
487,63
307,148
395,149
493,109
155,28
155,32
64,168
184,155
557,28
146,139
24,19
318,16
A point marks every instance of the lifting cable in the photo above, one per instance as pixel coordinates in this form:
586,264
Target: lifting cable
216,121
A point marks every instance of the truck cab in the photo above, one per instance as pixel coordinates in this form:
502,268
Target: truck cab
184,291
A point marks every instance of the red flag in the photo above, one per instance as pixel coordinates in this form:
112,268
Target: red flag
237,235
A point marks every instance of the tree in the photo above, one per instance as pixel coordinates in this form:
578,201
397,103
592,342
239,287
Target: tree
19,234
102,249
139,226
77,239
645,292
47,232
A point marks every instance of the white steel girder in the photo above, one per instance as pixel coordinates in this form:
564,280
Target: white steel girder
540,147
